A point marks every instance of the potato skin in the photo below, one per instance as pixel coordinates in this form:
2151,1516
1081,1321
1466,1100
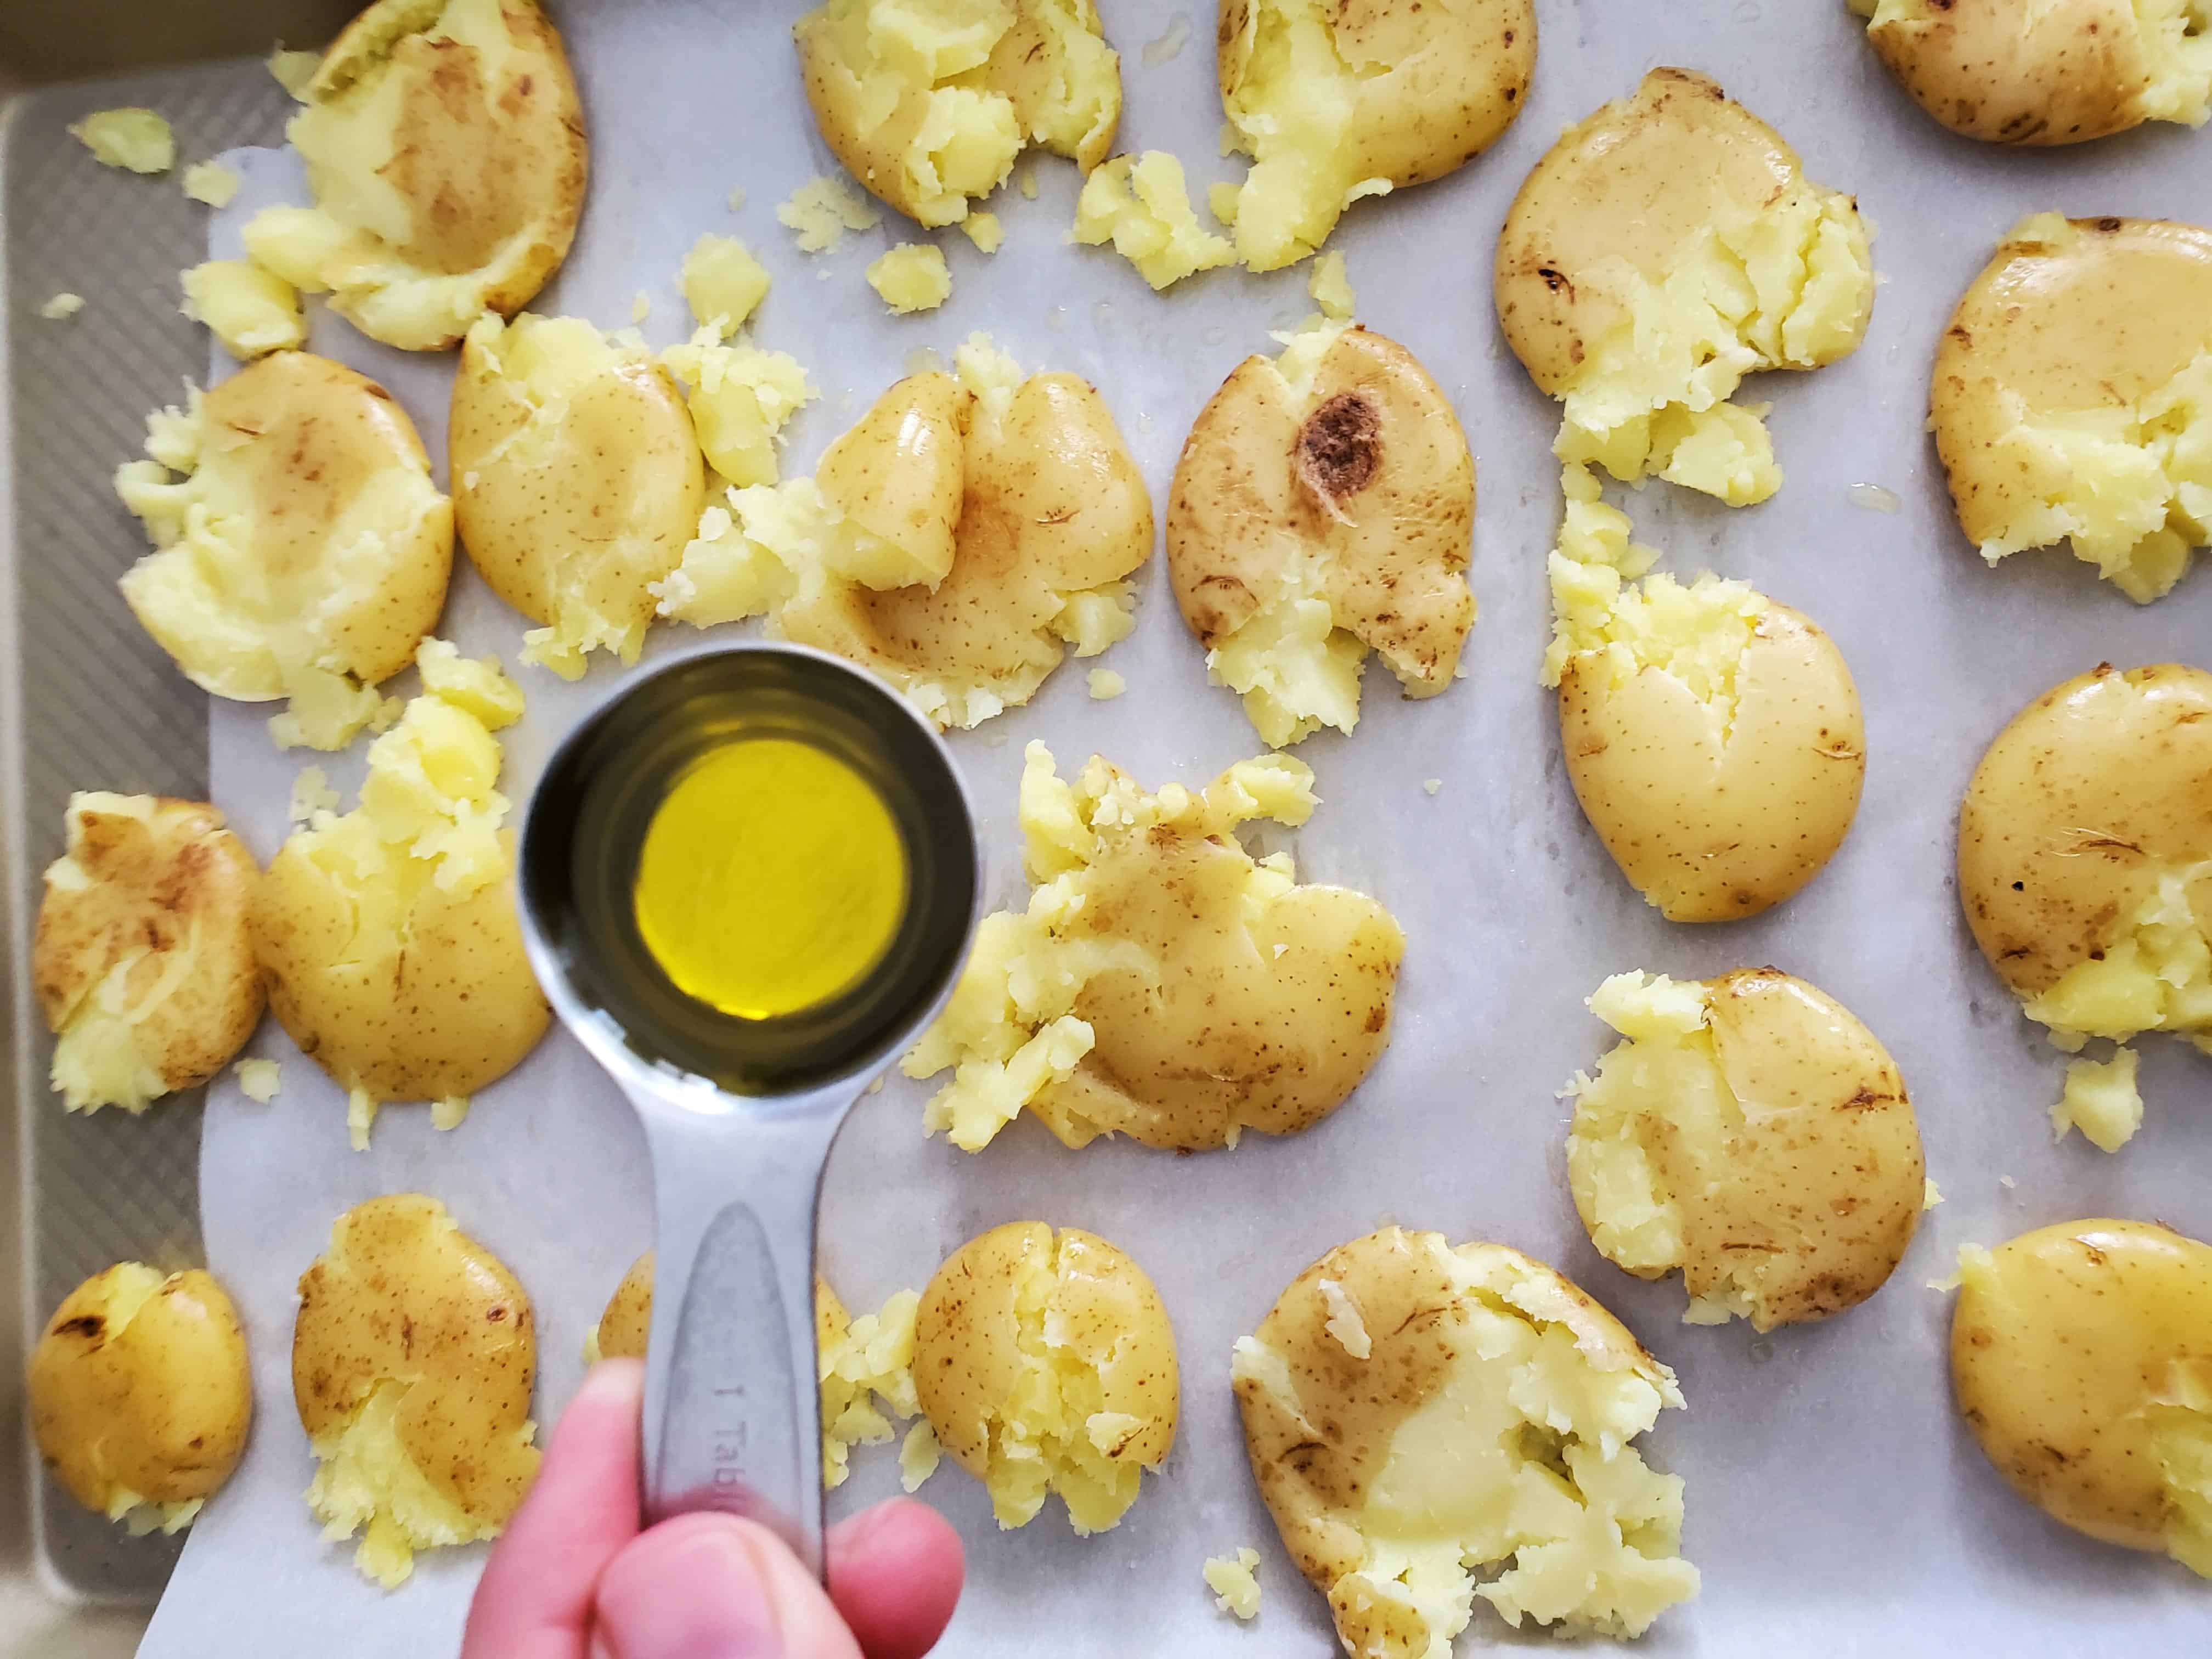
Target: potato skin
477,165
2058,1351
1707,830
176,881
1620,195
1396,543
541,526
403,1295
2009,74
2074,810
160,1408
455,1009
1454,81
627,1321
2093,325
968,1363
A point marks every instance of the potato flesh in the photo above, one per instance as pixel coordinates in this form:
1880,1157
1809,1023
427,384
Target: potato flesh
367,924
1231,1579
2102,441
1751,1133
723,284
821,210
1490,1427
910,277
1666,247
138,1395
2078,1359
251,311
1046,1366
740,398
135,139
955,542
1141,205
1161,983
1290,579
446,155
143,960
929,104
303,553
413,1358
577,482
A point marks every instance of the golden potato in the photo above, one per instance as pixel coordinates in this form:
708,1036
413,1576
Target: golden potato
1336,102
1663,249
413,1359
389,935
1045,1363
143,960
1161,984
1749,1131
955,542
1413,1410
2049,74
139,1396
2082,1358
2085,868
928,107
1713,736
445,147
864,1365
1322,507
2072,397
577,482
305,551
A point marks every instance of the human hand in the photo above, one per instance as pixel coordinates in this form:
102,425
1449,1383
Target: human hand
575,1577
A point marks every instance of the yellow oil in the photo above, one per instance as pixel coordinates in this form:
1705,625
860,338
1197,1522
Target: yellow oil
773,877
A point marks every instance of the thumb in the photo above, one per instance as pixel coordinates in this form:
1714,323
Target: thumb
714,1587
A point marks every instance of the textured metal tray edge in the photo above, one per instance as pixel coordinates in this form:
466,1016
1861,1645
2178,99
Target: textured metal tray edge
75,393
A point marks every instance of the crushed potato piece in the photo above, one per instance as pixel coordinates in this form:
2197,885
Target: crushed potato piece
1160,982
740,398
984,230
1105,685
910,277
212,183
866,1369
722,283
1331,288
2101,1100
137,140
1231,1577
61,307
251,311
820,211
919,1454
1140,204
259,1080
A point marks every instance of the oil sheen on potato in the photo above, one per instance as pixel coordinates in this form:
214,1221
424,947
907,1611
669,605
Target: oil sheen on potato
772,878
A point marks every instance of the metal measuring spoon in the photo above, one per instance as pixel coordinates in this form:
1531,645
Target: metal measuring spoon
739,1115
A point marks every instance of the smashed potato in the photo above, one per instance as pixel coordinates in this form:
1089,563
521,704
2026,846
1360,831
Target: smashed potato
1713,736
2085,868
413,1357
139,1395
1045,1363
250,310
1417,1412
956,541
1162,984
143,961
303,553
577,481
1663,249
2072,397
1748,1131
929,106
2080,1360
1322,507
864,1365
2050,73
389,935
1334,102
444,142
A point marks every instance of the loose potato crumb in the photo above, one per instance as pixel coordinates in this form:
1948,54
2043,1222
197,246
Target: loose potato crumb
259,1080
294,70
251,311
820,211
1140,204
212,183
1931,1195
984,230
1231,1576
723,284
740,398
61,307
910,277
2100,1099
1106,684
1432,785
1331,288
919,1454
135,139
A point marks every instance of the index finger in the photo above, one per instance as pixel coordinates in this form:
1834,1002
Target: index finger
534,1600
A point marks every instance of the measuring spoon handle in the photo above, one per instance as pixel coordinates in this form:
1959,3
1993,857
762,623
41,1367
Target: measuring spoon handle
733,1404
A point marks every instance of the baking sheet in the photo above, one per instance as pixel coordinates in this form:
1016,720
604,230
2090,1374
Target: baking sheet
1835,1504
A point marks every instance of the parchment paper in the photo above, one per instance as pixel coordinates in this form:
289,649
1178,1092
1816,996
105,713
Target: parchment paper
1835,1503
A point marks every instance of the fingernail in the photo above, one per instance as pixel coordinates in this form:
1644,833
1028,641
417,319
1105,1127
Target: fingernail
695,1597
